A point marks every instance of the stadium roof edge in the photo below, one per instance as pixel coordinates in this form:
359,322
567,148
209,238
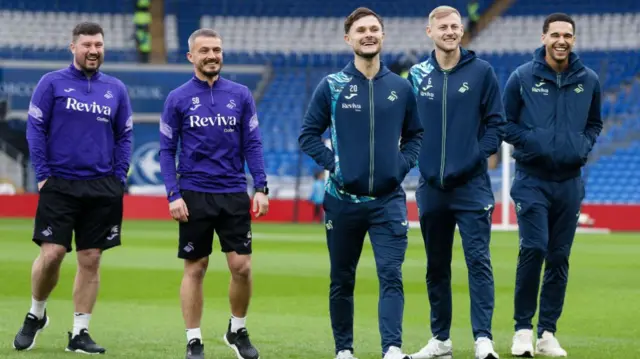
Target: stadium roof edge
55,65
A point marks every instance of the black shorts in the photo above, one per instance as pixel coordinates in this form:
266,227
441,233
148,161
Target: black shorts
90,208
226,214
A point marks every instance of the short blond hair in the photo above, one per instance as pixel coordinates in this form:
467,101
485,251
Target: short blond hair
443,11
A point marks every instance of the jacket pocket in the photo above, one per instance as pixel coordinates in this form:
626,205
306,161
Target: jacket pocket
573,150
403,167
537,148
389,173
353,176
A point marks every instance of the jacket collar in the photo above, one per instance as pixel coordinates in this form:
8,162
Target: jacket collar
81,75
572,74
205,84
466,56
352,70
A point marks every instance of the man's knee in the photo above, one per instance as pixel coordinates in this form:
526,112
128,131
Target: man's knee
52,254
557,259
479,266
343,280
239,266
196,268
89,260
390,274
532,252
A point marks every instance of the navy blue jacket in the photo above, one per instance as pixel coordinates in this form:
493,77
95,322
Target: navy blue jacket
463,116
375,132
217,129
80,127
553,118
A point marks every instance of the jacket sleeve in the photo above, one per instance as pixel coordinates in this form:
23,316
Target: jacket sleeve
122,131
252,143
170,131
515,131
316,120
594,121
412,132
39,117
492,115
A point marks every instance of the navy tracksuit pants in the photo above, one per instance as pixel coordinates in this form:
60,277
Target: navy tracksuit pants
470,207
547,219
385,219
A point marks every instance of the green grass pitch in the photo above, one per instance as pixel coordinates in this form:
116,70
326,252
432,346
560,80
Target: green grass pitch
138,312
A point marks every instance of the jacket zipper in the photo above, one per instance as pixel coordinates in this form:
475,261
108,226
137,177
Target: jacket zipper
444,130
559,79
88,84
371,137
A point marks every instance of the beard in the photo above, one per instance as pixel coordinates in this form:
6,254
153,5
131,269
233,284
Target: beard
367,55
210,73
83,63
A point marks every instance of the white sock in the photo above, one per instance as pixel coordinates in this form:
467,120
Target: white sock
80,321
237,323
194,334
38,307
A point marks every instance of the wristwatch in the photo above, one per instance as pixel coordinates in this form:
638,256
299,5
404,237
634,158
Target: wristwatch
264,190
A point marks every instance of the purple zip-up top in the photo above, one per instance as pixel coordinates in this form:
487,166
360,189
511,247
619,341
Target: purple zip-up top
217,128
80,127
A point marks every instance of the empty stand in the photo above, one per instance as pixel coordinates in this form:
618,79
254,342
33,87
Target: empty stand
572,7
312,8
50,39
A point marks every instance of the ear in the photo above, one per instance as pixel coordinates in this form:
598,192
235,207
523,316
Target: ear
428,31
190,57
72,47
542,38
347,39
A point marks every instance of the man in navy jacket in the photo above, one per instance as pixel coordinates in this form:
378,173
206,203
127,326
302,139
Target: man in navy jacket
553,111
79,133
375,137
460,108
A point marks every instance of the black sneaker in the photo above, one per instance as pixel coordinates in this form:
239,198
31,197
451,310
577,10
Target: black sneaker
26,337
241,344
195,349
82,343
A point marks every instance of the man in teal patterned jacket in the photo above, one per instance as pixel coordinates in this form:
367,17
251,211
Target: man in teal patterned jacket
375,139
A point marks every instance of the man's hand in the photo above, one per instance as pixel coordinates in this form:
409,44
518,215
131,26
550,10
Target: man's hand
41,183
178,210
260,204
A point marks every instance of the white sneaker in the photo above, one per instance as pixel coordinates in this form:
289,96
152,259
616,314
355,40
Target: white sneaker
523,344
435,349
395,353
549,346
345,354
484,349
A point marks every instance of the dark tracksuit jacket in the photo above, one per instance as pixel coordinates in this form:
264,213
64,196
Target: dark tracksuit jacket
375,137
553,122
463,117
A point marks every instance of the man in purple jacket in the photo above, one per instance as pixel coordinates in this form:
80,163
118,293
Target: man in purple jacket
215,122
79,134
